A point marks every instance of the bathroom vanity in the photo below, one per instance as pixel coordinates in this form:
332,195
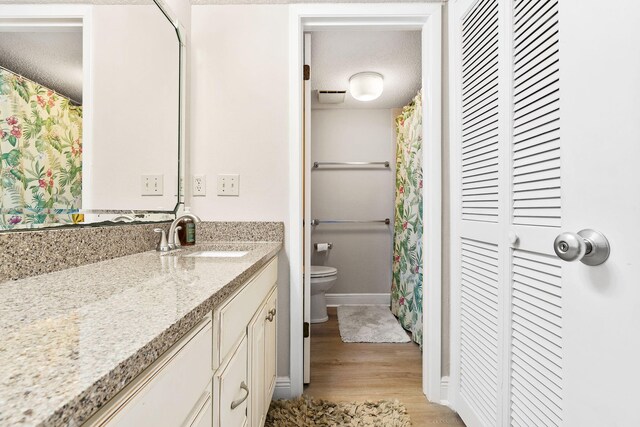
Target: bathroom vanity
145,339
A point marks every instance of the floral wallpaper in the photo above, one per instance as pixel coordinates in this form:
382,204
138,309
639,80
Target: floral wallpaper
406,287
40,154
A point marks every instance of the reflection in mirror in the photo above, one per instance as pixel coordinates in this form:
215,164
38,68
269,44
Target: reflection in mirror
89,114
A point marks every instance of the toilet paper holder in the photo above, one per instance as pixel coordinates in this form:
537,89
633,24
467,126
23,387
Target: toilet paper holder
330,245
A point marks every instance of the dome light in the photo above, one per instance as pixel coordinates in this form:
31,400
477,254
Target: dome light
366,86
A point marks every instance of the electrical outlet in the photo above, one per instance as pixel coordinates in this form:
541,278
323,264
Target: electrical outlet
229,185
152,185
199,185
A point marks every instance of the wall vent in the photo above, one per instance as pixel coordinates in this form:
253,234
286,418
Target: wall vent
331,96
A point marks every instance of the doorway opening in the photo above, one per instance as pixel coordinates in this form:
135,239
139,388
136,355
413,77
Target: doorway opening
363,193
424,19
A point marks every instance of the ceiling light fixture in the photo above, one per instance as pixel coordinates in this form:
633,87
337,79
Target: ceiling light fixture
366,86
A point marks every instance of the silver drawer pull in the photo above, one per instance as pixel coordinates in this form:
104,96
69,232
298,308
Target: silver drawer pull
238,402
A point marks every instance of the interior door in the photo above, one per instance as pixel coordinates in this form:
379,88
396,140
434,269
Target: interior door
478,226
600,104
307,210
545,127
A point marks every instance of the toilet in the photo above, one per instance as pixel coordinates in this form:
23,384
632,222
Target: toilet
322,279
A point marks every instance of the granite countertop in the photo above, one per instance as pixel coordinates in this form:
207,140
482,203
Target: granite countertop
71,340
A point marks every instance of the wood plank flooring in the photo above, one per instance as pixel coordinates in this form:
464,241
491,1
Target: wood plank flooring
366,371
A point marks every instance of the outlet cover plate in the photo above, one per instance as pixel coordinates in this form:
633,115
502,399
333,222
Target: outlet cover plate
229,185
199,185
152,185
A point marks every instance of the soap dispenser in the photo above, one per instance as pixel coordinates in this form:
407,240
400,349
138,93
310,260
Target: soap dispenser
187,231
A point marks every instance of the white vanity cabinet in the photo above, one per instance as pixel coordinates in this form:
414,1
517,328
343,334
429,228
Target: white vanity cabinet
262,370
173,391
245,346
221,373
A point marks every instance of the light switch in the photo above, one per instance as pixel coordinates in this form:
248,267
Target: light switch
152,185
199,185
229,185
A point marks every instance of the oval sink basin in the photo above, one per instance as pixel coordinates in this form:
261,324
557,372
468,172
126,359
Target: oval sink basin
217,254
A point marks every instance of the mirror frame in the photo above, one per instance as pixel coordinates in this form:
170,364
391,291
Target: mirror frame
182,99
82,11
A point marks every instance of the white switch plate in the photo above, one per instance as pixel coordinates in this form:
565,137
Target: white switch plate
199,185
152,185
229,185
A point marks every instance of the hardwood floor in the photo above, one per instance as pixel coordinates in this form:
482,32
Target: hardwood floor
365,371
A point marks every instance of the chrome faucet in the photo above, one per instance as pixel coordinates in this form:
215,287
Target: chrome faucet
174,224
162,244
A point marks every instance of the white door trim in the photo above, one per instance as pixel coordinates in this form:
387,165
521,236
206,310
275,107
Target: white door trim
417,16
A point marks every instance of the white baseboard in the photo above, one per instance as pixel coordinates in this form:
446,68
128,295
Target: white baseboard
444,391
334,300
282,389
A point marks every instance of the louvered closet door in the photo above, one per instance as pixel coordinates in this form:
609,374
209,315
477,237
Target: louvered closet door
535,313
476,147
510,302
550,145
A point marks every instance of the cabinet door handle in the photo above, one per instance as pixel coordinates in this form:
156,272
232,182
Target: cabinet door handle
238,402
269,317
272,311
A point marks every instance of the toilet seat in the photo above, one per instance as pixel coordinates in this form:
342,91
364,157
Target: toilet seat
318,271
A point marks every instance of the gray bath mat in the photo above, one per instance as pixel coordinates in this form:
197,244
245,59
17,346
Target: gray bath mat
369,323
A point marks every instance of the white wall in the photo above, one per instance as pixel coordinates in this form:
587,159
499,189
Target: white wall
239,122
239,113
361,253
135,86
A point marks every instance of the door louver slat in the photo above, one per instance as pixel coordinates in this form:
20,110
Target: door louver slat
479,327
536,340
536,124
480,111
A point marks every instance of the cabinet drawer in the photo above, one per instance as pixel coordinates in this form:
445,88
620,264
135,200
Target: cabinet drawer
228,391
167,394
236,314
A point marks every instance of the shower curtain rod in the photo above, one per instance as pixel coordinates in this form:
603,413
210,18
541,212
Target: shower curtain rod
318,164
350,221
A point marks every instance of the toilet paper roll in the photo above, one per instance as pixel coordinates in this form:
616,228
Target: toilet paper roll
322,247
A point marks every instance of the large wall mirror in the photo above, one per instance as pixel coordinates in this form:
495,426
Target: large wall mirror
90,113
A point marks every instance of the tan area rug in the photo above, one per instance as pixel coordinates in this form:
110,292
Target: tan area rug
306,411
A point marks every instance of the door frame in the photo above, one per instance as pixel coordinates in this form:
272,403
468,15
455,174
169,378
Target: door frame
426,17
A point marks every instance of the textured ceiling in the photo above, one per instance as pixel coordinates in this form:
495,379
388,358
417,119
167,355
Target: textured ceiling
310,1
53,59
101,2
337,55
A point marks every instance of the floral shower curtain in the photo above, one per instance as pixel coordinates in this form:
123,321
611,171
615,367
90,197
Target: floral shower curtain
406,287
40,154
